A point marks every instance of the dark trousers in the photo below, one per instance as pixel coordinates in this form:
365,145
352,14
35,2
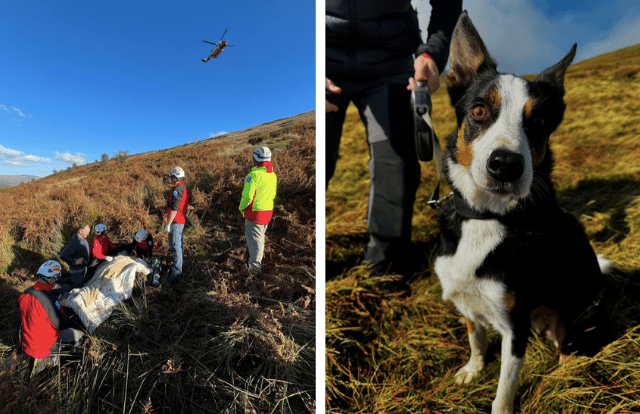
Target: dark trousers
384,107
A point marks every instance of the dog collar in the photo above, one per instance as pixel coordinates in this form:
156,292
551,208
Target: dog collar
527,215
464,209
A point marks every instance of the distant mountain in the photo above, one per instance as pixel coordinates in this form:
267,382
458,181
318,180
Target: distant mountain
13,180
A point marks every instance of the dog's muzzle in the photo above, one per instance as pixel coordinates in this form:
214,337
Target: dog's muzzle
505,166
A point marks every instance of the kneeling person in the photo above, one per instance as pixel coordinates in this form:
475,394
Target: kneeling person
102,248
45,324
142,245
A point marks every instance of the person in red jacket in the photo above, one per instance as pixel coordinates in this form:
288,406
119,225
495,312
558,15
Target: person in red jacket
45,324
142,245
102,247
176,210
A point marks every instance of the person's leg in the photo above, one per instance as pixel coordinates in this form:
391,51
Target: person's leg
394,170
71,336
255,245
77,278
333,126
175,247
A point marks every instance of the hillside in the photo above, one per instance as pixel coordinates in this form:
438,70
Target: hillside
218,341
13,180
398,355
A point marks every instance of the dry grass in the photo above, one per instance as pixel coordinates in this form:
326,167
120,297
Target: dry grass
219,340
398,355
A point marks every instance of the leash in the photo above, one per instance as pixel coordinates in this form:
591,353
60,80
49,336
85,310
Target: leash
427,144
435,202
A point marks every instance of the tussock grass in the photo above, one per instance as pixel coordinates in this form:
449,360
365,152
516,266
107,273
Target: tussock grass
218,341
399,354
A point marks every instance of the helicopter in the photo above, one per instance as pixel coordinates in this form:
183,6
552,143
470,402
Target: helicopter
219,47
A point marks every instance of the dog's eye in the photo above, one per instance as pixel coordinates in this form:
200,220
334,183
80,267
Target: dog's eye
479,112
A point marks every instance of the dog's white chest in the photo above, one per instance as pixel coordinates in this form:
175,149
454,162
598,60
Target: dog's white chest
479,299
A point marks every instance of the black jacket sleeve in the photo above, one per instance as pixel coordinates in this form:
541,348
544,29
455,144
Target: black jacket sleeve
444,15
68,251
176,196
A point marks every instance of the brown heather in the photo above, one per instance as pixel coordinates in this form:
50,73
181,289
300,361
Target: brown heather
219,341
399,355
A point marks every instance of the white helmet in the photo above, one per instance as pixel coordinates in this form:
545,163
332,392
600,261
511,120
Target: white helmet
177,172
100,229
50,270
141,236
262,154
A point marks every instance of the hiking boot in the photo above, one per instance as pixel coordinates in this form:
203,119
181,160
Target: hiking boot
40,364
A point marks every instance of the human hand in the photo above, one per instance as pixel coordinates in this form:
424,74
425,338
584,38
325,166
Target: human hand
425,70
168,228
63,300
332,88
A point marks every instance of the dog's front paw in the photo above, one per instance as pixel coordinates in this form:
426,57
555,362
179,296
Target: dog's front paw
497,408
467,373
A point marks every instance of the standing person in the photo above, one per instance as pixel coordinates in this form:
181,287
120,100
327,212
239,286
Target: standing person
369,61
176,209
102,247
76,255
257,205
45,324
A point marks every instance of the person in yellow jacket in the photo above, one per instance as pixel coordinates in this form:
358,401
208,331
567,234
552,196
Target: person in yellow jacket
257,205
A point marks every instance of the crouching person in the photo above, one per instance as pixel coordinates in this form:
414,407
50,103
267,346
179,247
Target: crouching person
45,324
102,248
142,245
257,205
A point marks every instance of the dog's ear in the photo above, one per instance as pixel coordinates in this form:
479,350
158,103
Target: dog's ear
468,55
555,74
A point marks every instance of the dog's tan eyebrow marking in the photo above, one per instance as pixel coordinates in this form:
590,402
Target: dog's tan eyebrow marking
464,154
494,99
529,107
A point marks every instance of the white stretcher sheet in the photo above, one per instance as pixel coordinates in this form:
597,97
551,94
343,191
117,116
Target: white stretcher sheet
111,284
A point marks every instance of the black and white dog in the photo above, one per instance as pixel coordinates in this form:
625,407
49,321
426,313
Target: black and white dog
509,258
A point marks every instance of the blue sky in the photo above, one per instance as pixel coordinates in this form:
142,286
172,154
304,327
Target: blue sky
80,79
527,36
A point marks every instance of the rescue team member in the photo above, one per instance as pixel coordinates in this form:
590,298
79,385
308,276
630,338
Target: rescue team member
257,205
102,246
176,210
44,321
76,255
142,245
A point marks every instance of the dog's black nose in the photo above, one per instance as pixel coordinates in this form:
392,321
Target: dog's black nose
505,166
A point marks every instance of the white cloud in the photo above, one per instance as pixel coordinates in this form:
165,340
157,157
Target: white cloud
4,107
217,134
8,153
33,158
19,112
67,157
523,40
624,33
14,163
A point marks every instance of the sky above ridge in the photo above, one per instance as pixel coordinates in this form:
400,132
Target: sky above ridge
527,36
81,79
